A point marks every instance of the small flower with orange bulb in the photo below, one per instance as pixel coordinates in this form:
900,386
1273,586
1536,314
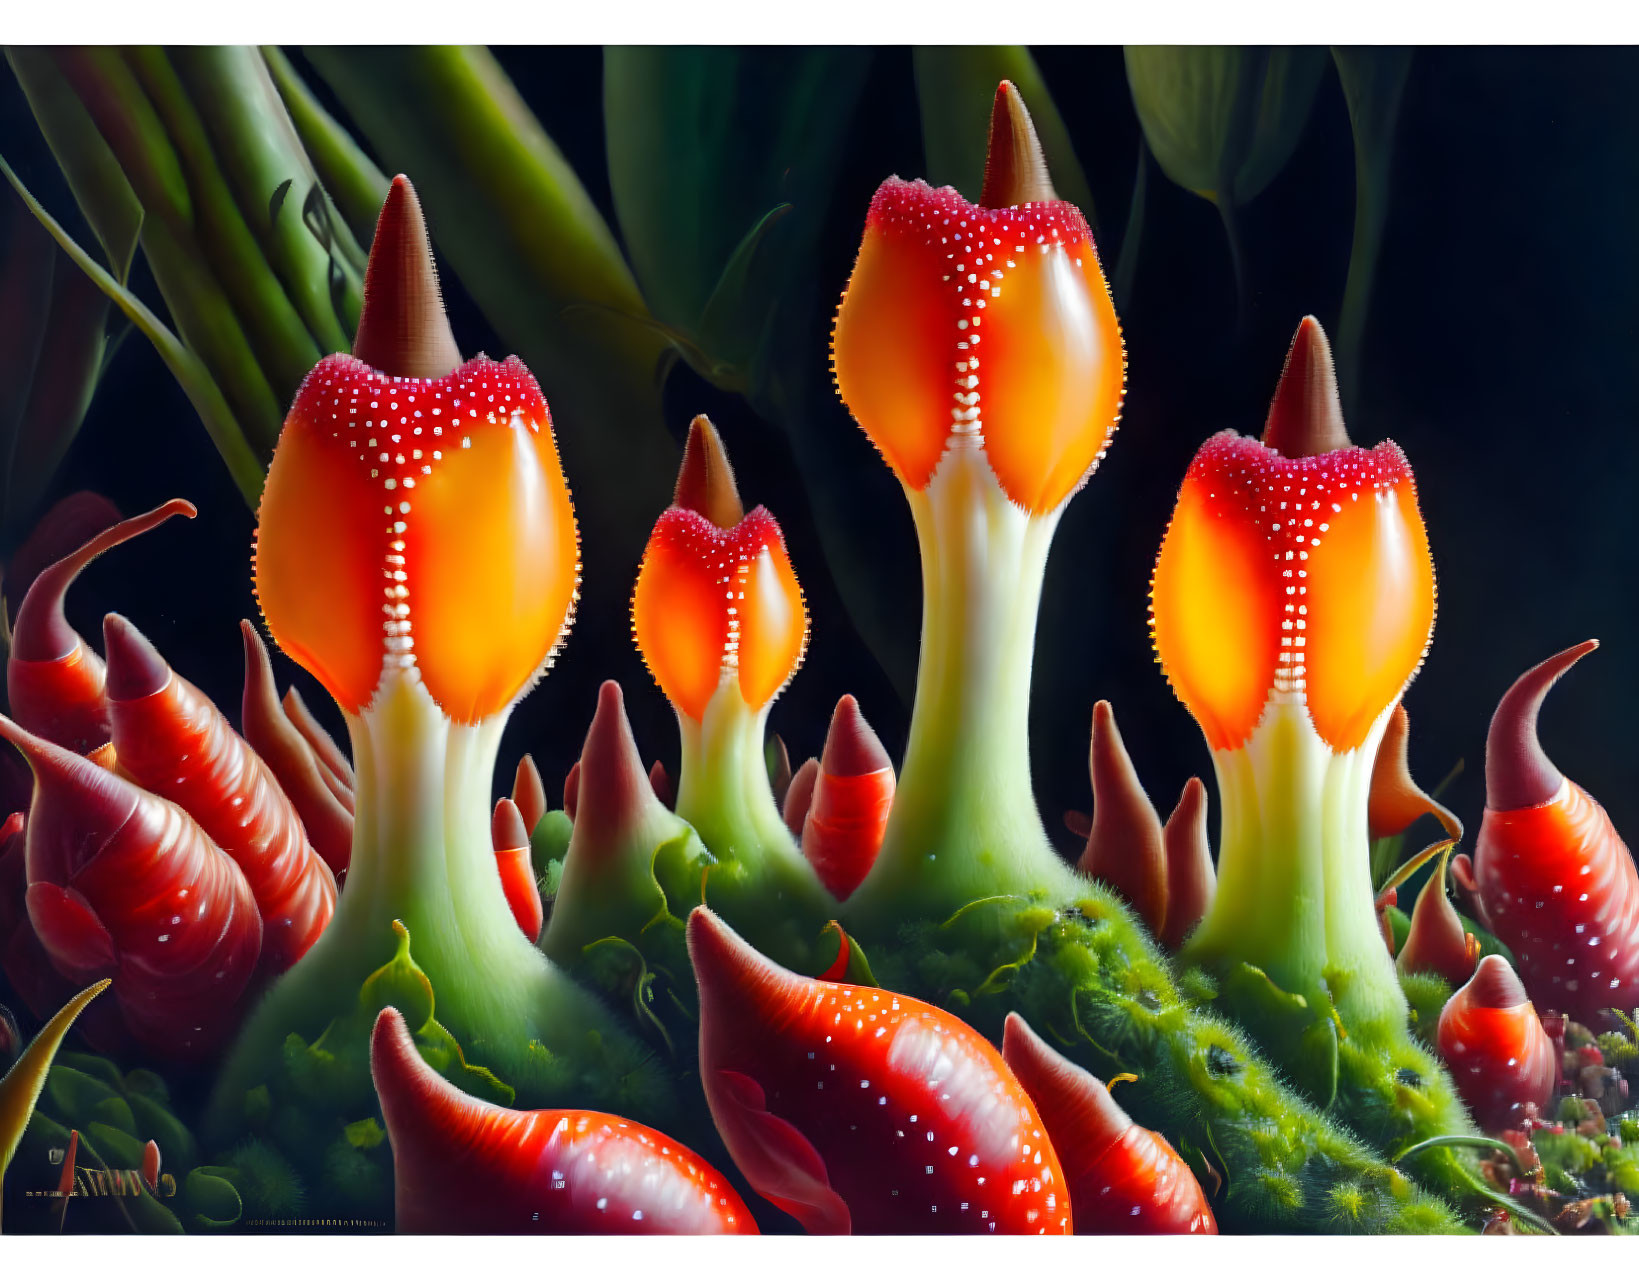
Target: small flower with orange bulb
719,618
417,552
977,346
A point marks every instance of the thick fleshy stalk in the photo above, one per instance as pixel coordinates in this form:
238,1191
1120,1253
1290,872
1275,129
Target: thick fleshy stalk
821,1091
852,796
511,839
719,618
282,747
1125,847
170,739
978,348
461,1165
123,884
1121,1177
1500,1056
627,850
1557,882
54,680
1293,600
417,552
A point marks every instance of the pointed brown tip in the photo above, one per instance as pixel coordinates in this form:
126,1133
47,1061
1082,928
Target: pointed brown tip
1015,168
1124,846
609,784
529,792
705,481
506,827
135,668
735,979
1494,986
1306,415
403,329
1191,878
1076,1107
1518,773
1395,801
662,784
800,795
571,791
851,745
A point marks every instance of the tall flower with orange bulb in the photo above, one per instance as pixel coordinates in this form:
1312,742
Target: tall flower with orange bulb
417,552
977,346
1292,602
719,618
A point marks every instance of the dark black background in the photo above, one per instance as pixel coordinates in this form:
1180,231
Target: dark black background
1500,353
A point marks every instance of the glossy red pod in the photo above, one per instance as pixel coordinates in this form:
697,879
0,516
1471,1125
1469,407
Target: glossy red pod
1437,943
1121,1177
461,1165
54,680
854,1109
1495,1045
847,812
510,836
1557,882
124,884
170,739
267,728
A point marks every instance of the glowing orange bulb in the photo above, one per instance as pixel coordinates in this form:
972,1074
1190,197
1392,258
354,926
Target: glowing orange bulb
418,524
711,600
989,322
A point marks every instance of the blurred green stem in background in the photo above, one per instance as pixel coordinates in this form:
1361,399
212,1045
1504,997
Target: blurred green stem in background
1374,80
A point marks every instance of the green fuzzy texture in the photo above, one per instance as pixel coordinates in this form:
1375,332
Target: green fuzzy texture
1089,979
268,1184
1426,995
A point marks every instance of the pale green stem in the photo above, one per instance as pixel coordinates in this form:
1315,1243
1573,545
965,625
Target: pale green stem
1294,893
964,822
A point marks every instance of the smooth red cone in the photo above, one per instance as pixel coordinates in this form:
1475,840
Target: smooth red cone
1192,879
799,797
511,842
1501,1058
819,1089
1437,942
1306,415
705,481
1124,847
1518,773
1122,1177
847,814
403,330
610,757
280,744
529,792
135,668
1015,168
461,1165
54,680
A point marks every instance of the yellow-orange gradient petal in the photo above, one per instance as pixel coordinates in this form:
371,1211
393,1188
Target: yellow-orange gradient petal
1216,606
320,543
1050,366
424,523
894,348
1370,597
773,623
492,546
680,608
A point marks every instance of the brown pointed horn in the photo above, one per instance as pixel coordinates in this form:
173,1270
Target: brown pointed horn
1395,801
1124,848
1306,415
705,481
529,792
1518,773
1015,169
1191,878
403,330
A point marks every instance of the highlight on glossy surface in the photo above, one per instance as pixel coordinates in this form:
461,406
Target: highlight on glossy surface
848,807
291,757
713,605
859,1110
461,1165
170,739
1396,802
1437,943
1192,879
415,520
987,324
1121,1177
1124,843
1299,576
54,680
1556,880
1494,1043
124,884
511,839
